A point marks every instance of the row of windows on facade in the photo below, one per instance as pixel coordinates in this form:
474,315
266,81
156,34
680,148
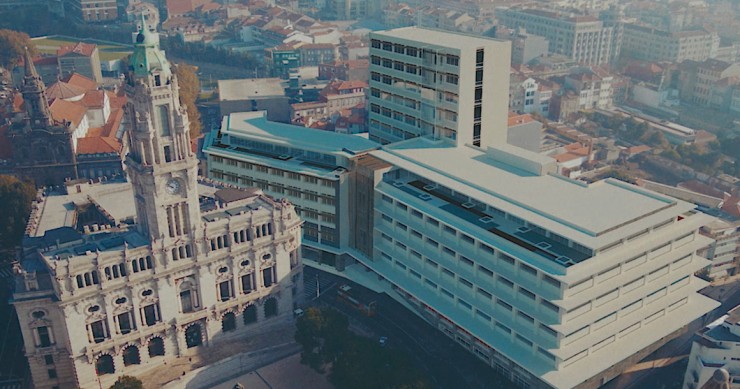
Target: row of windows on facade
150,314
244,235
577,287
104,364
640,281
429,77
275,187
114,271
275,172
412,51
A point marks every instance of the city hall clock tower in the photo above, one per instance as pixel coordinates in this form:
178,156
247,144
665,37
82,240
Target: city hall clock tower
161,164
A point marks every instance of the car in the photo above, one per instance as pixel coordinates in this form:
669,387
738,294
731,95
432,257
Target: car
383,341
298,313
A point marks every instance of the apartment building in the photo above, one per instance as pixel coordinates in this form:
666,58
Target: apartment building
716,349
309,167
424,82
549,294
651,44
92,11
724,252
592,86
584,39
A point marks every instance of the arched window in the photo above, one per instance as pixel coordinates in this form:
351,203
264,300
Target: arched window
104,365
131,356
156,347
193,337
271,307
250,314
228,322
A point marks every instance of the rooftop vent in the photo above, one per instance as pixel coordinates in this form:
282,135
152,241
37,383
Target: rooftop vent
430,187
543,245
425,196
284,157
523,229
486,219
468,205
398,184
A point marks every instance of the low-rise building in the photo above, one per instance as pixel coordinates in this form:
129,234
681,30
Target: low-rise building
309,167
255,94
717,347
724,252
651,44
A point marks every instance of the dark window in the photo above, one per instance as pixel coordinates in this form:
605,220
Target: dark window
228,323
247,283
124,323
104,365
268,276
479,57
156,347
49,359
131,356
186,301
476,112
44,337
167,154
478,94
52,373
250,314
224,291
150,314
479,76
98,331
193,337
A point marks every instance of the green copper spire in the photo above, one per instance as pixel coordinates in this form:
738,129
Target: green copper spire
147,57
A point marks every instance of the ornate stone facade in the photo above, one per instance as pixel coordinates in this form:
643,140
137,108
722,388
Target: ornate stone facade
193,270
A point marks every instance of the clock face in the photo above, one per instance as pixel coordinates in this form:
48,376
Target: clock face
173,186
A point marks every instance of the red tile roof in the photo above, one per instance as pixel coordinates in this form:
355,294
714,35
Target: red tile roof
98,145
93,99
65,110
80,81
81,48
63,90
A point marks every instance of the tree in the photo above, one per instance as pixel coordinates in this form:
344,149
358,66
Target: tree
127,382
15,198
12,47
189,91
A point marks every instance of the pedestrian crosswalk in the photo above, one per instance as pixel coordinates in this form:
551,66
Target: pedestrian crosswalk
316,280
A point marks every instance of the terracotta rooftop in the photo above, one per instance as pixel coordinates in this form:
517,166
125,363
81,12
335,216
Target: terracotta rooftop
94,99
81,81
63,90
515,120
81,48
65,110
98,145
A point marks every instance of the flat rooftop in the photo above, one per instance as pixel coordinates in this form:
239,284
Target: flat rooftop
436,37
593,215
256,126
250,88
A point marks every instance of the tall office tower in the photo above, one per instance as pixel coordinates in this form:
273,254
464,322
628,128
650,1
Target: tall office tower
583,38
430,82
123,277
553,282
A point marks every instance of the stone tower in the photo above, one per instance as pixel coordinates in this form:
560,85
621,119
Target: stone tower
162,167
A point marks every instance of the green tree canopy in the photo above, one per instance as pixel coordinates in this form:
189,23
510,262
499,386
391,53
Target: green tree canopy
127,382
15,199
189,91
12,46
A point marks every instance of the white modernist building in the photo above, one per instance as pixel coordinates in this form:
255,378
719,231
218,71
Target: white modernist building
555,283
119,278
717,347
425,82
309,167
